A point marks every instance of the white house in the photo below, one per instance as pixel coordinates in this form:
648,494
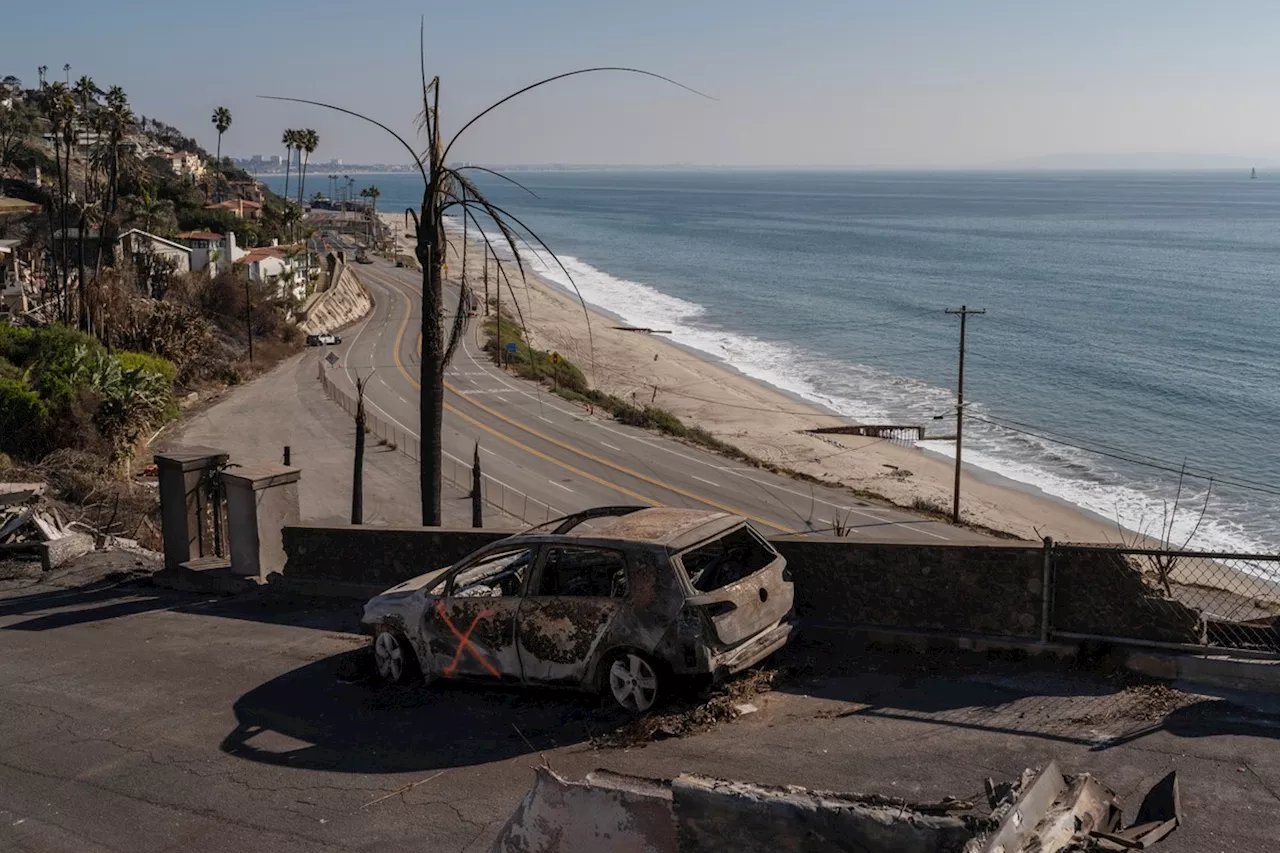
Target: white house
135,242
186,163
211,251
276,265
13,275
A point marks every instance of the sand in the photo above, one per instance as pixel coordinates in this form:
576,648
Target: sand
768,423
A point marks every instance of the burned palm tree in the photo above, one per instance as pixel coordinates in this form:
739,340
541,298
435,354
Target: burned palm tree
448,189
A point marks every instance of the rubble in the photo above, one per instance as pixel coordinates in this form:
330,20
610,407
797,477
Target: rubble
1042,812
29,526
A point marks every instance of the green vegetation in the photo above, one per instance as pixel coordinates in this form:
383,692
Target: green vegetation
571,384
60,388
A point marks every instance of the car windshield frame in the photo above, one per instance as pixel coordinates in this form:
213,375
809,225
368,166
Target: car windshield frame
682,573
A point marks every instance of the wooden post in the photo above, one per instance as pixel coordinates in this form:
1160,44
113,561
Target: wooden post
477,502
963,313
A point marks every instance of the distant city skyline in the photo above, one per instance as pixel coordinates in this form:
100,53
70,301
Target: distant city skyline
916,84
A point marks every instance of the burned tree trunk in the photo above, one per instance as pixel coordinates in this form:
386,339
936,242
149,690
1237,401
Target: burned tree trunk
357,475
477,504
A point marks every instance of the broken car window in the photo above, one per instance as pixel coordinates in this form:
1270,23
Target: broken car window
493,576
590,572
723,561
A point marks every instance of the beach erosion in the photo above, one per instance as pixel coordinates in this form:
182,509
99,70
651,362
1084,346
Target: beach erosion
759,419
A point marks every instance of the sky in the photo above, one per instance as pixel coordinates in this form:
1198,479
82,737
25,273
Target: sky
908,83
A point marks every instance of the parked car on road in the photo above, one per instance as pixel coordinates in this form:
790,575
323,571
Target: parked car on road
323,339
615,600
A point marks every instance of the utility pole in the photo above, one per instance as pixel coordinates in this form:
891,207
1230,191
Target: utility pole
963,314
486,281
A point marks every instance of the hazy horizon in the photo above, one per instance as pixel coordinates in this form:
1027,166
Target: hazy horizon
922,84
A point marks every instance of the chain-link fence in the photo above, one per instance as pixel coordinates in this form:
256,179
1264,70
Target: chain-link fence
1176,599
455,471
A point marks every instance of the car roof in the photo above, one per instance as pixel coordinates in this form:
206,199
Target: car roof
673,528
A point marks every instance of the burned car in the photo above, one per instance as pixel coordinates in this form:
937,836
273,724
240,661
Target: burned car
615,600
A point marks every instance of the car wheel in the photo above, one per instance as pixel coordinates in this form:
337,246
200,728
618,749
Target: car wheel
394,659
631,680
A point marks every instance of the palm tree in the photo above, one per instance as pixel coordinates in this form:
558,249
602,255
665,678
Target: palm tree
310,140
372,194
60,110
287,138
222,121
445,188
85,91
43,70
67,68
117,121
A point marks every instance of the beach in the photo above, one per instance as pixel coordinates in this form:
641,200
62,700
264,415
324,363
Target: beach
761,420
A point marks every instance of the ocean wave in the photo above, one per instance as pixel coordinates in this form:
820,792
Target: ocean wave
1134,500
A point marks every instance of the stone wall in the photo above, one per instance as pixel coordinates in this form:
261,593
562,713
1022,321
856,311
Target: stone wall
342,301
375,556
993,590
972,589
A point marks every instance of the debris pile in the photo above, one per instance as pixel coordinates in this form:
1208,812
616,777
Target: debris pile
725,700
34,528
1041,812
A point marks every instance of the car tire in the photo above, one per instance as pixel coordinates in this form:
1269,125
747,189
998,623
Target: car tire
632,681
393,657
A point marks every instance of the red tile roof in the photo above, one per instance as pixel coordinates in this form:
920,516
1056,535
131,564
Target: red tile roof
199,235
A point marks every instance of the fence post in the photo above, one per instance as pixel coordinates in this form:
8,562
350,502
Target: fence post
1046,590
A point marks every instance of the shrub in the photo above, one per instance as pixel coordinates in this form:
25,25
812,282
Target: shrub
150,363
22,418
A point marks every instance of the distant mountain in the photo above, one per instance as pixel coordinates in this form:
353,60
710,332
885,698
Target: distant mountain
1150,161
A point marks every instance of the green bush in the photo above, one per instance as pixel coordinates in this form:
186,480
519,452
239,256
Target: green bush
22,417
150,363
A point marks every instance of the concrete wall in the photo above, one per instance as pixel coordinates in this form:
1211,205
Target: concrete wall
343,301
977,589
375,556
993,590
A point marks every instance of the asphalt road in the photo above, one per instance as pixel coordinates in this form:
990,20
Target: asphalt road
137,719
547,456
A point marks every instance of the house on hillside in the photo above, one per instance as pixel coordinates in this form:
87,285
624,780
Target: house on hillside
15,272
153,258
276,265
186,163
242,208
211,251
248,190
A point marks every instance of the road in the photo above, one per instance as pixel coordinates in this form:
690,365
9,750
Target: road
548,454
145,720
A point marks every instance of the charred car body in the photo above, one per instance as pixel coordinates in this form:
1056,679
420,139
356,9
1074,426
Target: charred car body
616,599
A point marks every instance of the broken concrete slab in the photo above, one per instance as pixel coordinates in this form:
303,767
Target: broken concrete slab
1043,811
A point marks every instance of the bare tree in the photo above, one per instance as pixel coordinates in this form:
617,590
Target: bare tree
357,475
446,189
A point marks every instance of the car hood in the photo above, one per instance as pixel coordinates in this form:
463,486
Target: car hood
396,600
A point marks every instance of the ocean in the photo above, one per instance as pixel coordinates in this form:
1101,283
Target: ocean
1130,332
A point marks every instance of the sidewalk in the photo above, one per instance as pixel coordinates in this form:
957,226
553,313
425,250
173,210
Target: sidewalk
287,407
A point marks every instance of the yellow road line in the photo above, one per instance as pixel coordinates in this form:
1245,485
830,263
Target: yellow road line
598,460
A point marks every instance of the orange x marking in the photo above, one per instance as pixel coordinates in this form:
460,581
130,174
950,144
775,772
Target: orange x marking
464,640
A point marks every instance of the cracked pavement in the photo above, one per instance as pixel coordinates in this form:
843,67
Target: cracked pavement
136,719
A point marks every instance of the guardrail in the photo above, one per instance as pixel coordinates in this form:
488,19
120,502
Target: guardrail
455,471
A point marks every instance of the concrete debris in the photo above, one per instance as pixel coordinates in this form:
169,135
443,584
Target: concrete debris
1044,811
31,529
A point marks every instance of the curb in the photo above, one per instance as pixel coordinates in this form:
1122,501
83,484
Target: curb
1220,671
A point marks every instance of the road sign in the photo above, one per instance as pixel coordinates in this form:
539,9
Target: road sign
511,348
332,358
554,358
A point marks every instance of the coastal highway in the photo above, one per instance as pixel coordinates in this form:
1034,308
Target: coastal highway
535,444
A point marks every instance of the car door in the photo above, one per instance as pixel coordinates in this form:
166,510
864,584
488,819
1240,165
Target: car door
470,626
573,597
